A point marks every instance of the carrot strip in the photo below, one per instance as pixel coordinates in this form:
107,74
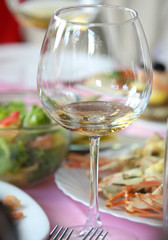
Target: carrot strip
144,213
118,195
150,183
153,208
114,204
82,162
130,194
74,164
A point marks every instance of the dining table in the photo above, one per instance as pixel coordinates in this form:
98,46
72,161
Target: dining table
19,62
64,211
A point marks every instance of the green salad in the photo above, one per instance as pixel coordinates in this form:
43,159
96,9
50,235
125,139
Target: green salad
30,146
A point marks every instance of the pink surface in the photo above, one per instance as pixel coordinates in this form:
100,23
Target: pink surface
62,210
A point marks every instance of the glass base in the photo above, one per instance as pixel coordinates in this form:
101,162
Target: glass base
79,232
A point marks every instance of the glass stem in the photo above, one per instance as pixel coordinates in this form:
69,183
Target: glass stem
93,216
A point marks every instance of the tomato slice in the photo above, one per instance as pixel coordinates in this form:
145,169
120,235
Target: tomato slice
12,118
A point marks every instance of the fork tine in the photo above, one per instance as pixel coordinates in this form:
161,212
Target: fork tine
93,234
62,235
69,235
99,234
52,232
87,234
56,235
104,235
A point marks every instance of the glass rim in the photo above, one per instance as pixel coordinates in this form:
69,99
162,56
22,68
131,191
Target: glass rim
132,18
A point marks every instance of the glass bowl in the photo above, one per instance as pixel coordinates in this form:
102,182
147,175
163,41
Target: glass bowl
28,155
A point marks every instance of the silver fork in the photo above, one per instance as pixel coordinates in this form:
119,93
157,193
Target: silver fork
60,232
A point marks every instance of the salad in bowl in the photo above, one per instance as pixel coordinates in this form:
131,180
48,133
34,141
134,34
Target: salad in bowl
32,146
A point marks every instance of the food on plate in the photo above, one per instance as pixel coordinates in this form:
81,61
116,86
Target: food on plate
13,205
117,79
133,180
157,108
83,161
31,145
122,77
138,190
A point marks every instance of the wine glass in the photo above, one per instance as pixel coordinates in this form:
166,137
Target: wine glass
37,13
95,78
33,16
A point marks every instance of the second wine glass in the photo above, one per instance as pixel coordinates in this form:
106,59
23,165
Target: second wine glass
95,78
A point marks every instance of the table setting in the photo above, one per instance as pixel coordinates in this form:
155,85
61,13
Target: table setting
83,155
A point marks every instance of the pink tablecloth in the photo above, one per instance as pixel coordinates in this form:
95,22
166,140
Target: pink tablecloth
59,208
62,210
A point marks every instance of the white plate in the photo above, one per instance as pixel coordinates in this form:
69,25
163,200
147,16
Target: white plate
74,183
35,224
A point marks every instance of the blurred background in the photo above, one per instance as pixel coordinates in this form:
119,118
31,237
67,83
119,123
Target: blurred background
21,18
23,23
22,27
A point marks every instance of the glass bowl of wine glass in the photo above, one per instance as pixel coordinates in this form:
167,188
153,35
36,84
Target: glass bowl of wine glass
89,81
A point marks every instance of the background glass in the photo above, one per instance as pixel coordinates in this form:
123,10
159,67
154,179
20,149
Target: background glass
34,15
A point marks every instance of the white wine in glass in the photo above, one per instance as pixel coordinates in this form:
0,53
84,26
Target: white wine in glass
37,13
90,81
